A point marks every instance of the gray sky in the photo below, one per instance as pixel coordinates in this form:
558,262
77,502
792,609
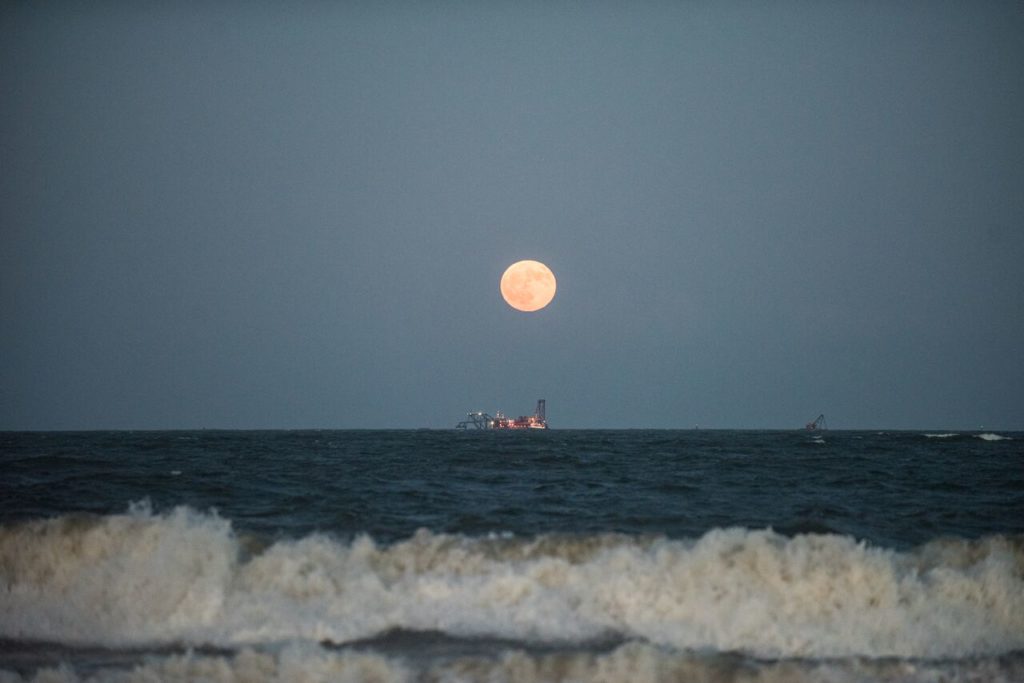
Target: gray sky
296,215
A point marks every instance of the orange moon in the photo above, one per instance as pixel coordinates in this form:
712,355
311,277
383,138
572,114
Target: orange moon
528,285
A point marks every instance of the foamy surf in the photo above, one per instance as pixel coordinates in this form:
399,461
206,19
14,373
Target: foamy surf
183,577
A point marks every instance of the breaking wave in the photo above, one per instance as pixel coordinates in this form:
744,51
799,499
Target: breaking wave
184,577
988,436
985,436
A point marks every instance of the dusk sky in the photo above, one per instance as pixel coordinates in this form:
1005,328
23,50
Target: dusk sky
291,215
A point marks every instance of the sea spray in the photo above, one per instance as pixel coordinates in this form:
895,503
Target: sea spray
132,578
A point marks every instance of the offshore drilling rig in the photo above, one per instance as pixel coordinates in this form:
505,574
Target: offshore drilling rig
479,420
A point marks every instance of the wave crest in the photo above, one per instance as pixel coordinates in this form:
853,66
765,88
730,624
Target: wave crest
144,578
988,436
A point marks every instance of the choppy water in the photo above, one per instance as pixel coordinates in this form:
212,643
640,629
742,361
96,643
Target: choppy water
558,555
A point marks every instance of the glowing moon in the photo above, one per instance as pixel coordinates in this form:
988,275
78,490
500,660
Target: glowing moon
528,285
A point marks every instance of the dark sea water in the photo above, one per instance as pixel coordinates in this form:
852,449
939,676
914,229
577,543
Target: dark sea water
511,556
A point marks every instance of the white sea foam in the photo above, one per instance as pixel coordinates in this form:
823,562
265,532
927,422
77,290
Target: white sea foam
182,577
988,436
944,435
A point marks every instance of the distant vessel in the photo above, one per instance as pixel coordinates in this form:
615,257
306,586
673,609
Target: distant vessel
480,420
817,424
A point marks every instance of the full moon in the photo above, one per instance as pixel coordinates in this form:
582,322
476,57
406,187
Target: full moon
528,285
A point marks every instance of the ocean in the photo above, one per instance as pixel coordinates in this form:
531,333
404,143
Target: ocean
558,555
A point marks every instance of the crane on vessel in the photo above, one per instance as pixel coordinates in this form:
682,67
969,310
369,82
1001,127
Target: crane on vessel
816,424
481,420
